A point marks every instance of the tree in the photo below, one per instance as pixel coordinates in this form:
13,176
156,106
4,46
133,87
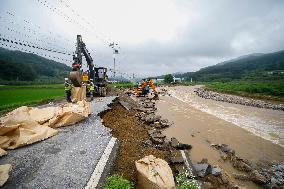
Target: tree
168,78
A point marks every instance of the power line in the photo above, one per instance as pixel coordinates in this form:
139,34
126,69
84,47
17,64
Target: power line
105,39
25,43
58,59
39,29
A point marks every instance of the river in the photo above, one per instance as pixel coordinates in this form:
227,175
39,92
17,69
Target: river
255,134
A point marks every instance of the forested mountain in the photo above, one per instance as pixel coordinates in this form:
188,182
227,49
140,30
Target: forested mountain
249,67
19,67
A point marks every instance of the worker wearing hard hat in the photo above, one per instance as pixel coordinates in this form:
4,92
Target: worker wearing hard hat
92,88
68,87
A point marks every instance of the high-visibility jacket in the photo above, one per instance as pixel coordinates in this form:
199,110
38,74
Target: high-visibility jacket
67,86
92,87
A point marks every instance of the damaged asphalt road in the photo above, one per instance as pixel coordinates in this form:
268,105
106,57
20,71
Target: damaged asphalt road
66,160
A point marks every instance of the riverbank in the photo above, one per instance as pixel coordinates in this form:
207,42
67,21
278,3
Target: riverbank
260,90
208,94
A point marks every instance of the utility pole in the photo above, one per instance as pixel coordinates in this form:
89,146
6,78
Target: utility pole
113,65
115,51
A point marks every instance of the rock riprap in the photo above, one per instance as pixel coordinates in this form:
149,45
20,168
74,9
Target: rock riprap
207,94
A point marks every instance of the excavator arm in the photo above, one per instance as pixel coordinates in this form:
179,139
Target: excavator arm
76,74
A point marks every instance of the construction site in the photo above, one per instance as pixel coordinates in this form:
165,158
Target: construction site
79,110
81,143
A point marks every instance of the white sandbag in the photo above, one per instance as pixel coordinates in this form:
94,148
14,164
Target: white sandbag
4,173
18,129
42,115
26,125
28,134
70,114
154,173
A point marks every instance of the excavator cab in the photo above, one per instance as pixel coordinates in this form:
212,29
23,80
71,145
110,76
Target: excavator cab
100,81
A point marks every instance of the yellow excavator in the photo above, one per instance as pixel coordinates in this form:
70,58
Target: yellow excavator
143,88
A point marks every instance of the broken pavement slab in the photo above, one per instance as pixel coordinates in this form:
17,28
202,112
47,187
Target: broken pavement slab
125,104
67,160
202,169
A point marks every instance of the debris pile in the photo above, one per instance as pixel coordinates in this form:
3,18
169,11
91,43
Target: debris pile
237,100
146,113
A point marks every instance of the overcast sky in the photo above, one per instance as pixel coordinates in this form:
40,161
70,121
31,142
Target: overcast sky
155,36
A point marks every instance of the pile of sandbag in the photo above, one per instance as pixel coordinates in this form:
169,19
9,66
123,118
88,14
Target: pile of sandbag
154,173
26,125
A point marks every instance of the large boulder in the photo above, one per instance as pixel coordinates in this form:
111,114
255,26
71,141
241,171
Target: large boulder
151,118
202,169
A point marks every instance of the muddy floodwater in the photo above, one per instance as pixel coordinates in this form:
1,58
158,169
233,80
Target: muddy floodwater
254,133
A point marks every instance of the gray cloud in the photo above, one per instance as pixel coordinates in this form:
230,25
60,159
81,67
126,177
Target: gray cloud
225,30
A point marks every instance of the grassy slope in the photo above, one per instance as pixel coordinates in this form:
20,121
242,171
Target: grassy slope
16,96
265,90
245,76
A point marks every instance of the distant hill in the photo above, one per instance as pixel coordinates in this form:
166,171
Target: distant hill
255,67
18,67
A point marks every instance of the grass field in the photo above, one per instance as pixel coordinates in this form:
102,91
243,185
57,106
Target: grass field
51,86
14,96
267,90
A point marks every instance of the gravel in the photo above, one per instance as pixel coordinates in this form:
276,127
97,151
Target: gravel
237,100
66,160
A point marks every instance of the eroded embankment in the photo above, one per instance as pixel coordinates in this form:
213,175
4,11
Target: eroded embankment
132,134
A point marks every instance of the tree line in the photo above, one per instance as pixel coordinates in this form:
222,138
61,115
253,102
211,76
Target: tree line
17,67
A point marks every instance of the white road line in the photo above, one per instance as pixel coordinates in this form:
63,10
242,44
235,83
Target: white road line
96,175
185,160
